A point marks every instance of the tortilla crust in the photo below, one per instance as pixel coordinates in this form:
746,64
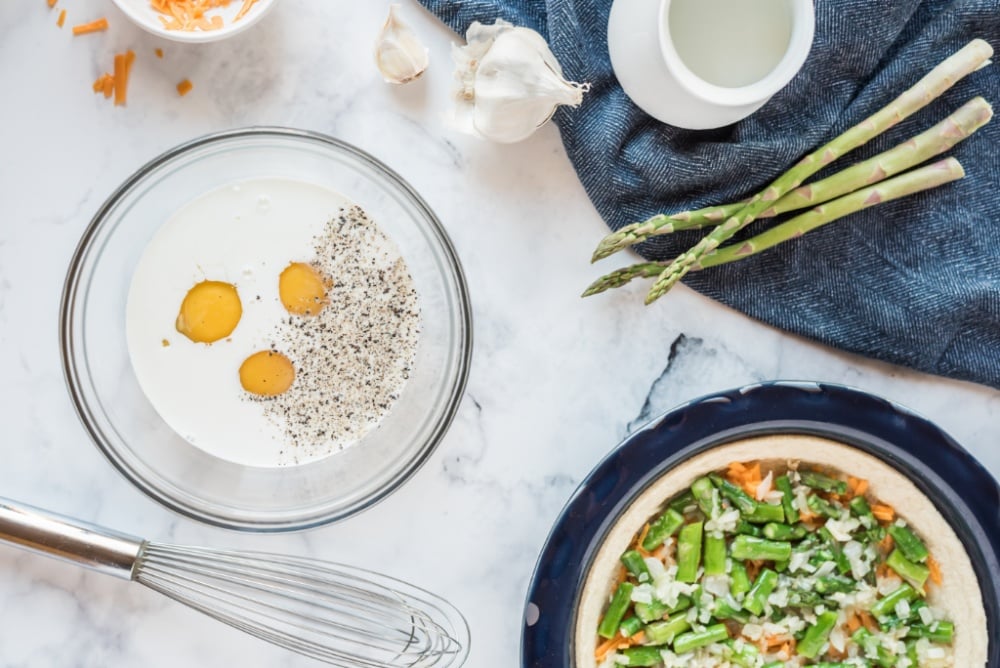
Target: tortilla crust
959,595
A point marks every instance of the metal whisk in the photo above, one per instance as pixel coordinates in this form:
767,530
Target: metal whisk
344,616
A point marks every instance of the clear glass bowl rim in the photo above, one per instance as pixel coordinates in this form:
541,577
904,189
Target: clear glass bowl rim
68,305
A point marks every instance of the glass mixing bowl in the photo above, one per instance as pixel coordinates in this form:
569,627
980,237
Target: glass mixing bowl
125,426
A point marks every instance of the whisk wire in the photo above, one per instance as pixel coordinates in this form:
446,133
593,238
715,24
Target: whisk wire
341,615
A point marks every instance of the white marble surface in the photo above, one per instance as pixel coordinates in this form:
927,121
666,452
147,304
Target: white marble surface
556,381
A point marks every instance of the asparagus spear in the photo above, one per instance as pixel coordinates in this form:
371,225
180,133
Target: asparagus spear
914,181
911,182
938,80
958,126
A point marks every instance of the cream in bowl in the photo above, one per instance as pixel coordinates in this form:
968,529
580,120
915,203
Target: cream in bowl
819,554
271,322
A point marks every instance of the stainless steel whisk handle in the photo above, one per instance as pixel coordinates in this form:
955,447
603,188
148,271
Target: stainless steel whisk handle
68,539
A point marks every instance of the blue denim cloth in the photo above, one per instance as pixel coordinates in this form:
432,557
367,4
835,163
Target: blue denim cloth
914,282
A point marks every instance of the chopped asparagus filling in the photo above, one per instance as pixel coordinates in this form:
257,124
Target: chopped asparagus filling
792,568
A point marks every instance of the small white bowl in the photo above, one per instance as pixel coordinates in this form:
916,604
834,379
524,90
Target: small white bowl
653,75
147,18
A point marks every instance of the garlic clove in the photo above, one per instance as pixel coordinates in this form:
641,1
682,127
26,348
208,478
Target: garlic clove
400,56
510,83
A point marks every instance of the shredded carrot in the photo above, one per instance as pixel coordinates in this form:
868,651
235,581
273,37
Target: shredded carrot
660,553
883,512
935,570
158,52
123,68
622,574
886,544
642,534
752,479
93,26
853,623
867,620
605,648
861,487
62,18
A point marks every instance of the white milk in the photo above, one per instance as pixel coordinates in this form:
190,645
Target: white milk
730,43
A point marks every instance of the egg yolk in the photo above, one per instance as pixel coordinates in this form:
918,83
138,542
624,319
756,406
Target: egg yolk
267,373
210,311
302,289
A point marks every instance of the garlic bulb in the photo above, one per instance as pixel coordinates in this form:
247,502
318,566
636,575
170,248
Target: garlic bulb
399,54
510,83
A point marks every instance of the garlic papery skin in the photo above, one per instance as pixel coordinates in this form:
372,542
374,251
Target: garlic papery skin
510,83
400,56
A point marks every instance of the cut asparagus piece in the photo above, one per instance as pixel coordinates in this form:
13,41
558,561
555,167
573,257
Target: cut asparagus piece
753,549
860,508
739,581
777,531
707,497
663,633
630,626
762,588
723,610
915,574
692,640
689,552
765,513
616,611
912,547
939,632
784,485
821,506
641,656
822,482
885,606
816,635
715,554
735,494
665,526
636,565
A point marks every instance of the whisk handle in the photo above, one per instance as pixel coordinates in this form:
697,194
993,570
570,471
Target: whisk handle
67,539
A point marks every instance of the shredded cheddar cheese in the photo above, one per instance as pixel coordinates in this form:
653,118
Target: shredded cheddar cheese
62,18
184,87
94,26
192,14
116,83
52,3
158,52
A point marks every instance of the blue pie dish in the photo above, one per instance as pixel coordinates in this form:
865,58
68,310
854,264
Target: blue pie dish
965,494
